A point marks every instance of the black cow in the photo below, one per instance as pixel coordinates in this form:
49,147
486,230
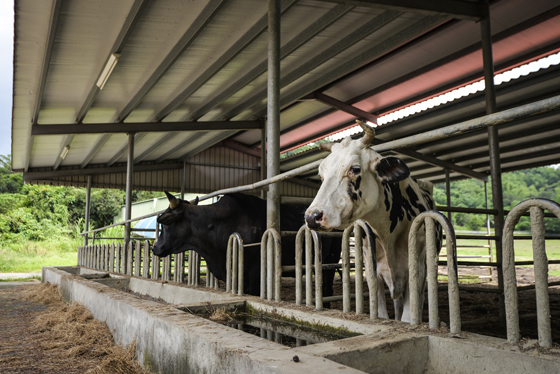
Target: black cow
206,230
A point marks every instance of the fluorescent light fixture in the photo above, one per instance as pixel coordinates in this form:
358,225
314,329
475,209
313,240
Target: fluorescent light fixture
64,152
111,63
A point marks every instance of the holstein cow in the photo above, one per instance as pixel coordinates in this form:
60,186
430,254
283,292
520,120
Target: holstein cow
360,184
206,230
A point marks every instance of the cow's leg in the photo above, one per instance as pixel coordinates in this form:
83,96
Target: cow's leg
406,317
399,304
381,302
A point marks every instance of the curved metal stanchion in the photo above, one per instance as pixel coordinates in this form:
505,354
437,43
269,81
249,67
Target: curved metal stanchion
416,280
235,264
359,228
271,265
312,245
536,207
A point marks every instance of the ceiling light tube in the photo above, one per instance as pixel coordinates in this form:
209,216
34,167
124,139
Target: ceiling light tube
64,152
111,63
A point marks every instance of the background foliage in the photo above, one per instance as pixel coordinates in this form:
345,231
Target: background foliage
40,225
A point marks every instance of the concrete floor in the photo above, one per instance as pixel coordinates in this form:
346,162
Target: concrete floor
170,340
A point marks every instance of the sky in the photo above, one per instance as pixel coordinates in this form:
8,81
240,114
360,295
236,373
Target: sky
6,70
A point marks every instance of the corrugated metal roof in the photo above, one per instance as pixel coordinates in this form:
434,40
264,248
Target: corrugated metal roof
201,66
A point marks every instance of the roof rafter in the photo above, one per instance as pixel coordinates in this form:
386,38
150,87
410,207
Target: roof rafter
316,27
43,79
453,8
196,28
342,45
144,127
253,33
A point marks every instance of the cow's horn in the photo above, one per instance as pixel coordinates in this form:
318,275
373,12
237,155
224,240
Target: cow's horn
326,146
369,135
173,201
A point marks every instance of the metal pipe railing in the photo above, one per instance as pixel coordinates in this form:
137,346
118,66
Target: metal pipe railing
235,264
536,207
312,245
358,228
417,276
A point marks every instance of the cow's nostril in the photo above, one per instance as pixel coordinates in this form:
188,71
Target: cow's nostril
314,219
317,216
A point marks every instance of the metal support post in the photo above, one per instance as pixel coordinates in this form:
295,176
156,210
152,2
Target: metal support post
494,148
184,180
263,159
129,182
448,192
273,114
88,208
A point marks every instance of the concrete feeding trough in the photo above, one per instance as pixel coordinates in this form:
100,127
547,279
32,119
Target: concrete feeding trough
170,337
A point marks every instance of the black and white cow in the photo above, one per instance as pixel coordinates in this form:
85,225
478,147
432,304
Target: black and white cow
360,184
206,230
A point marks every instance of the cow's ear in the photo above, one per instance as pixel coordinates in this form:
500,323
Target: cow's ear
392,170
167,218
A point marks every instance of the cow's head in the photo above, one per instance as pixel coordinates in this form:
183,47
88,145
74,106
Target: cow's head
175,229
352,175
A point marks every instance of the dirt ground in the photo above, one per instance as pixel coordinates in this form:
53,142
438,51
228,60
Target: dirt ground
39,334
480,311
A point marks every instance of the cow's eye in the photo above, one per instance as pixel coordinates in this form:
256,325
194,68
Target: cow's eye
355,170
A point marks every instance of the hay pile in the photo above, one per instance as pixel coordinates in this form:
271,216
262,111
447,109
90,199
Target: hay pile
63,339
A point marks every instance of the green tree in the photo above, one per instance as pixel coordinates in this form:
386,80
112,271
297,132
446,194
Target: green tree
9,182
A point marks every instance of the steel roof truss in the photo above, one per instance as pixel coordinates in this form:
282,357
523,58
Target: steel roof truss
119,127
201,21
45,70
453,8
322,23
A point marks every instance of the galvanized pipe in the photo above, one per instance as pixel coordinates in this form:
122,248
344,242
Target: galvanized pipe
432,265
359,275
179,274
346,269
318,270
229,264
270,267
308,274
301,236
264,261
146,259
541,277
234,264
493,143
156,267
416,282
448,193
137,258
88,208
541,269
129,185
190,268
371,267
273,114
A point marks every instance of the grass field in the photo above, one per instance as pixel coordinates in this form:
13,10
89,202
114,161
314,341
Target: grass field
523,251
31,257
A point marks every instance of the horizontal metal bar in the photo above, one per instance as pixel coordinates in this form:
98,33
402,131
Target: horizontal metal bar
37,175
498,118
488,263
120,127
452,8
457,209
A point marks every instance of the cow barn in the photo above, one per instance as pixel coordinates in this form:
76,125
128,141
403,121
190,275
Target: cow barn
222,96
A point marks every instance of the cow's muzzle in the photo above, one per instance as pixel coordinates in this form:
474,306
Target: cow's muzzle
314,219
